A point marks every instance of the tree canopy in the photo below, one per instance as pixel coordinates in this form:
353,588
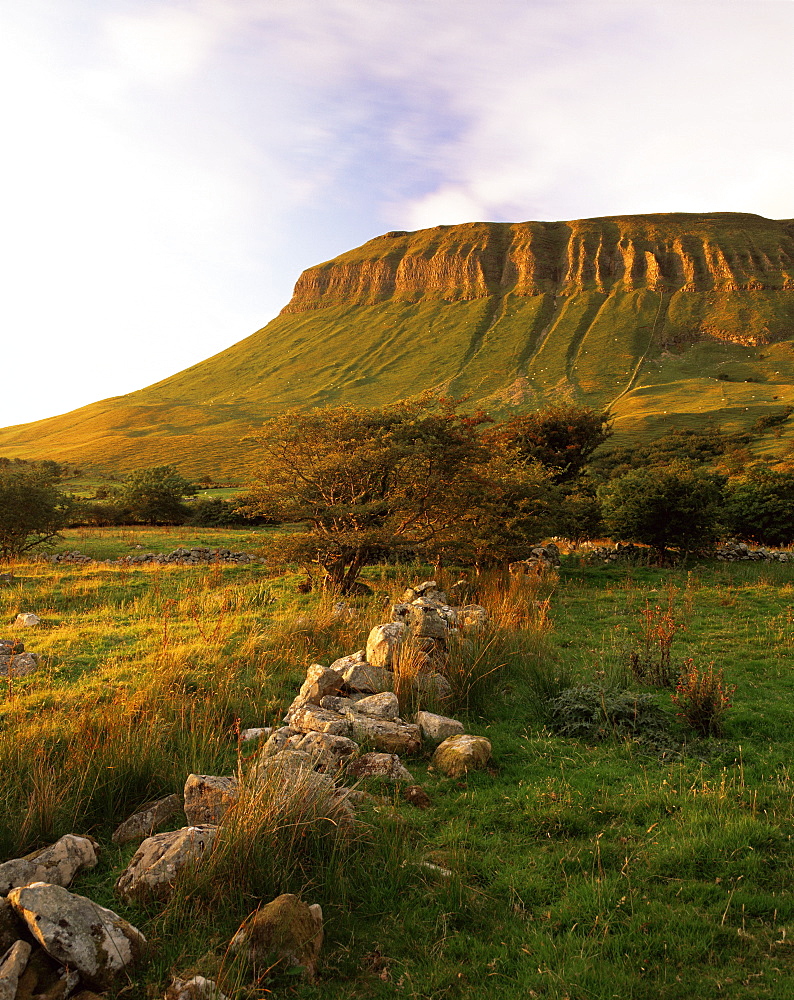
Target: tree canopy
155,496
32,509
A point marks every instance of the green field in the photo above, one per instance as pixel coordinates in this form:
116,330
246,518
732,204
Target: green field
657,866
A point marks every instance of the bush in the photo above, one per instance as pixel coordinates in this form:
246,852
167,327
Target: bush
702,698
591,712
214,512
760,506
32,509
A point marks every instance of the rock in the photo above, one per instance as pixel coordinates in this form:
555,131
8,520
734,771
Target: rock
27,620
208,797
286,931
46,979
426,622
383,644
10,647
319,681
76,932
433,687
145,821
383,706
401,613
197,988
12,965
386,766
365,677
286,764
344,662
249,735
156,863
312,718
57,864
338,704
326,750
459,754
18,666
10,927
388,737
417,796
436,728
472,616
278,740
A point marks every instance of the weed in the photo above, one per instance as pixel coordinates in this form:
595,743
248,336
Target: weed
651,663
702,698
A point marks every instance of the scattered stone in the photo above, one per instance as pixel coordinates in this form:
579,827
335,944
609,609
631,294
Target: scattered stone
249,735
383,644
10,647
197,988
145,820
10,928
76,932
369,679
18,666
338,704
57,864
46,979
433,687
208,797
383,706
437,728
459,754
319,682
427,623
27,620
386,766
278,740
472,616
344,662
417,796
388,737
286,931
156,863
326,750
12,965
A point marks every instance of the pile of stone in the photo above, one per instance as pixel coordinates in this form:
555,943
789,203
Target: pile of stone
542,559
181,556
625,552
741,552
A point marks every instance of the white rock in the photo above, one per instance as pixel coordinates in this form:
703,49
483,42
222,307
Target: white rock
386,766
249,735
27,620
436,728
12,965
156,863
388,737
367,678
384,705
145,820
208,797
197,988
77,932
383,644
57,864
312,718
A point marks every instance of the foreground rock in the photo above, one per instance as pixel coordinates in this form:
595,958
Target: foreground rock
27,620
286,931
57,864
12,965
437,728
383,644
208,797
458,755
197,988
145,821
385,766
14,661
157,862
388,737
76,932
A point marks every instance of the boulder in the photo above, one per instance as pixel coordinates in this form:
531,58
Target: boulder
472,616
279,739
18,666
197,988
27,620
383,644
261,733
156,863
12,965
145,821
382,706
208,797
57,864
459,754
386,766
319,681
46,979
326,750
10,647
437,728
365,677
344,662
79,933
312,718
388,737
427,623
286,931
433,687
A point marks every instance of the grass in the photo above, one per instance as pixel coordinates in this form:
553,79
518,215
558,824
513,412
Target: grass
509,315
579,869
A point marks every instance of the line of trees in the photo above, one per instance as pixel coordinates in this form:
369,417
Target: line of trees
422,478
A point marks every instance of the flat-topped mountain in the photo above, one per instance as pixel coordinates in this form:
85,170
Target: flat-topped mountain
670,320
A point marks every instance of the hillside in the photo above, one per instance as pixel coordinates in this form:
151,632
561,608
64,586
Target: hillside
671,320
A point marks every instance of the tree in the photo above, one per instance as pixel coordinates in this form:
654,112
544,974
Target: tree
154,496
367,483
760,506
32,509
561,438
674,506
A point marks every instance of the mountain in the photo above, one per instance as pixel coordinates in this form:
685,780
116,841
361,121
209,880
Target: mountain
669,320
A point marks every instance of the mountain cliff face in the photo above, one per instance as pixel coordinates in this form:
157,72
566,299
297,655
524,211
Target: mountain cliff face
665,319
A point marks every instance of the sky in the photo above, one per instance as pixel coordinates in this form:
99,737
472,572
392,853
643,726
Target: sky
169,167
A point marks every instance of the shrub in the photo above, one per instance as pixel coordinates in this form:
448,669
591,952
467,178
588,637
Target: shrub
651,663
702,698
760,506
592,712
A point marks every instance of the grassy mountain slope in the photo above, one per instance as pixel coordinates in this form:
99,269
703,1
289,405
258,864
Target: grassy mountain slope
668,319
